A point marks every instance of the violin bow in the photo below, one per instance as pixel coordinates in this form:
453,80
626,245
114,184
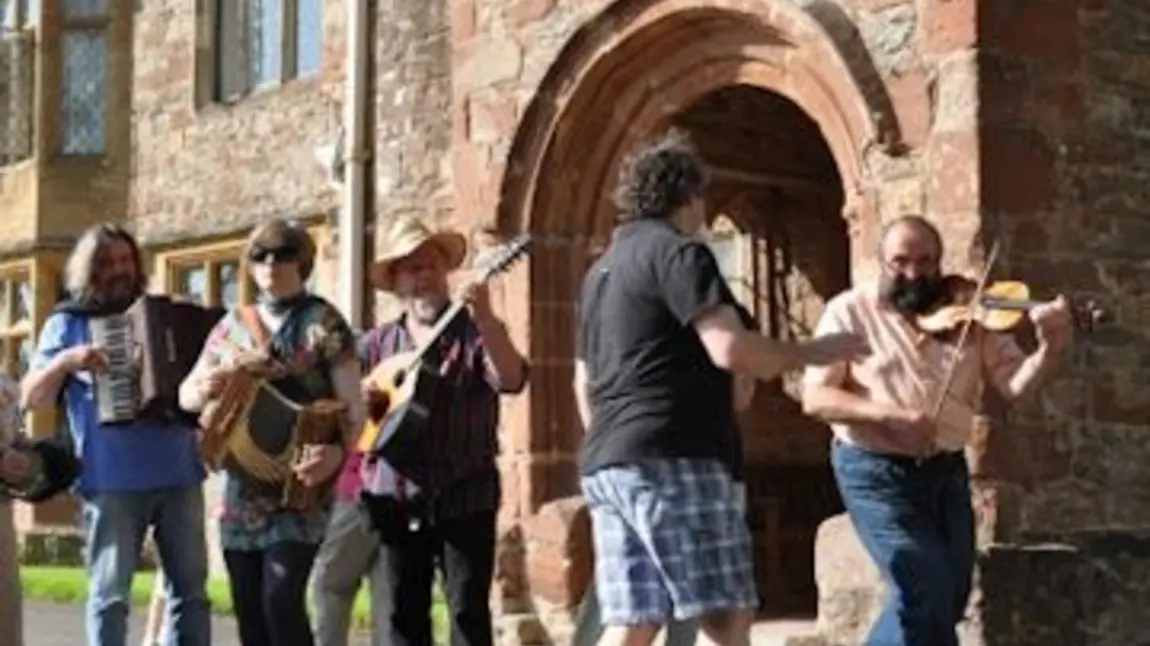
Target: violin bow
954,359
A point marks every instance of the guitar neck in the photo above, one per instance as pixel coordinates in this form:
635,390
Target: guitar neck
441,326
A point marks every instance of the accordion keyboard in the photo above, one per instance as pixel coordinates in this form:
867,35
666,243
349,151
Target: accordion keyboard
115,390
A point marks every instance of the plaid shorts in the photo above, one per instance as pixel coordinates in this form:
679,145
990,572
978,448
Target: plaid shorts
671,540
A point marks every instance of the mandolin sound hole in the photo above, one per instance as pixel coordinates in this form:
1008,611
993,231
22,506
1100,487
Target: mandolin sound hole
400,377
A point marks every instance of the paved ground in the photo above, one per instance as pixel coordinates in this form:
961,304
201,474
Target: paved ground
56,625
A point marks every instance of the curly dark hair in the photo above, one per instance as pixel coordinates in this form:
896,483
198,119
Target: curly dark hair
659,178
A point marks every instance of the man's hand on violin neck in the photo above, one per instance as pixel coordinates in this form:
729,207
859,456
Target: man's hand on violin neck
1053,323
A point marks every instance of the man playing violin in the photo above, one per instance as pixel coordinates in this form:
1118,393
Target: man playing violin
900,468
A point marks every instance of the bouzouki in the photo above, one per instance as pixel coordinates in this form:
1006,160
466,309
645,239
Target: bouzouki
408,384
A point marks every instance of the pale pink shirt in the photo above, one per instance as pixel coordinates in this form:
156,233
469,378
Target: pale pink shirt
908,368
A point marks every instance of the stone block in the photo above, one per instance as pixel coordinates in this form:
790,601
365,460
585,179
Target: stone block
559,552
850,589
1087,590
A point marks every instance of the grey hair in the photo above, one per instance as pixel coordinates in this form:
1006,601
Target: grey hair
915,221
79,272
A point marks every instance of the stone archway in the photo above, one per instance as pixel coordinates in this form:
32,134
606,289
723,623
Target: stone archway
623,76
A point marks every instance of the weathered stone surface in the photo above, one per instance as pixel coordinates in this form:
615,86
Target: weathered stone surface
850,589
218,169
1089,590
559,553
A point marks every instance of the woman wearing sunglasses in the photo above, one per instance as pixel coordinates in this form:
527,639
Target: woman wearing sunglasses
268,549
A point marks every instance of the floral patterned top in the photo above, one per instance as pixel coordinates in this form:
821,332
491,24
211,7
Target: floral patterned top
315,337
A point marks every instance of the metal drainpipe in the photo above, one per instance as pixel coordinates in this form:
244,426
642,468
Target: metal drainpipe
351,225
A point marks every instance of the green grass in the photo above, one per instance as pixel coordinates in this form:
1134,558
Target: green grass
69,585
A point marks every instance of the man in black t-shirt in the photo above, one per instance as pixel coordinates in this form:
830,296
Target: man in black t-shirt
658,341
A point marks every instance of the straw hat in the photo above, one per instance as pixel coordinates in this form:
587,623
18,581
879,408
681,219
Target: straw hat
408,233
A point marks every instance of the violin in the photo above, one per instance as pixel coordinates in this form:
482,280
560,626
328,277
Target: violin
1003,305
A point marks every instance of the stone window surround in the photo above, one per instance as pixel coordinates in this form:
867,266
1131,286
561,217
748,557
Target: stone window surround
16,325
169,265
91,16
212,84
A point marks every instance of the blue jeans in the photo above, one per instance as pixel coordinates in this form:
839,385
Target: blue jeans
916,522
116,524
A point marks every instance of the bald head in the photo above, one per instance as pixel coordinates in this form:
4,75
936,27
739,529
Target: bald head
910,245
910,251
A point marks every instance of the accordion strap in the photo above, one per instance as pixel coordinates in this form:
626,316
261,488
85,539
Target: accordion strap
255,327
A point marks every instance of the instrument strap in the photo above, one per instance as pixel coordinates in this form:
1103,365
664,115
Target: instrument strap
250,318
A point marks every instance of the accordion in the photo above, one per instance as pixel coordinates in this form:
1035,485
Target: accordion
151,347
258,434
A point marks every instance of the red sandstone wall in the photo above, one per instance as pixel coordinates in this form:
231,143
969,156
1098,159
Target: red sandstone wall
891,84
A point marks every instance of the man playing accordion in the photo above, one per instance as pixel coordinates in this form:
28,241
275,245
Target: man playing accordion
139,473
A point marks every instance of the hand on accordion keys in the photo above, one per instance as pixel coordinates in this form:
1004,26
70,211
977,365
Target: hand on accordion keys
87,357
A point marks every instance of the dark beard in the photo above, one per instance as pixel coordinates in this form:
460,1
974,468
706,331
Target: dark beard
108,300
914,296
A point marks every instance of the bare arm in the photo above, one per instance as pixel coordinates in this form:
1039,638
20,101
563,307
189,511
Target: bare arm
734,348
345,380
825,396
1010,371
582,397
743,393
504,361
1029,374
41,388
834,405
192,390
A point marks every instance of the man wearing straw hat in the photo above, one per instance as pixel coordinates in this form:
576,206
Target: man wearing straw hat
449,514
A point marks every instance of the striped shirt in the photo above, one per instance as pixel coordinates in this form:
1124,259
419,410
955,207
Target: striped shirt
461,442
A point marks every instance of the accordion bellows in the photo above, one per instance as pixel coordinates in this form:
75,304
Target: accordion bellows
255,432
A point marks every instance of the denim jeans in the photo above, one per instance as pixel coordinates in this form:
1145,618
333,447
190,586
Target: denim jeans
116,524
916,522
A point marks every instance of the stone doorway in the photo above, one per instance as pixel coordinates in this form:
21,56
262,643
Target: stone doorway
776,201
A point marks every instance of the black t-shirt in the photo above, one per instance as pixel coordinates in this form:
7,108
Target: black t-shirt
655,392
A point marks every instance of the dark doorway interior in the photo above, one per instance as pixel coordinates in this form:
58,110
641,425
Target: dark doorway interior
778,229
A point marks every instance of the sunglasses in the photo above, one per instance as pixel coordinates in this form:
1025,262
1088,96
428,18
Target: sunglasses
280,254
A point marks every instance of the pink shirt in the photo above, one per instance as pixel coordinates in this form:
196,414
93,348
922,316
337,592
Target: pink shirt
908,368
349,483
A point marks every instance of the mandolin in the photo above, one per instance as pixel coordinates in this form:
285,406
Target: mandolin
406,385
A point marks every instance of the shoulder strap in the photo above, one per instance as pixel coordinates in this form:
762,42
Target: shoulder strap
250,319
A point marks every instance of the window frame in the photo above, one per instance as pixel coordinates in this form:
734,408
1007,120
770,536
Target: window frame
724,233
170,263
174,263
13,331
101,23
212,86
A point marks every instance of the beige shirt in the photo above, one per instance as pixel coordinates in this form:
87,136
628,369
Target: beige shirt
907,368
